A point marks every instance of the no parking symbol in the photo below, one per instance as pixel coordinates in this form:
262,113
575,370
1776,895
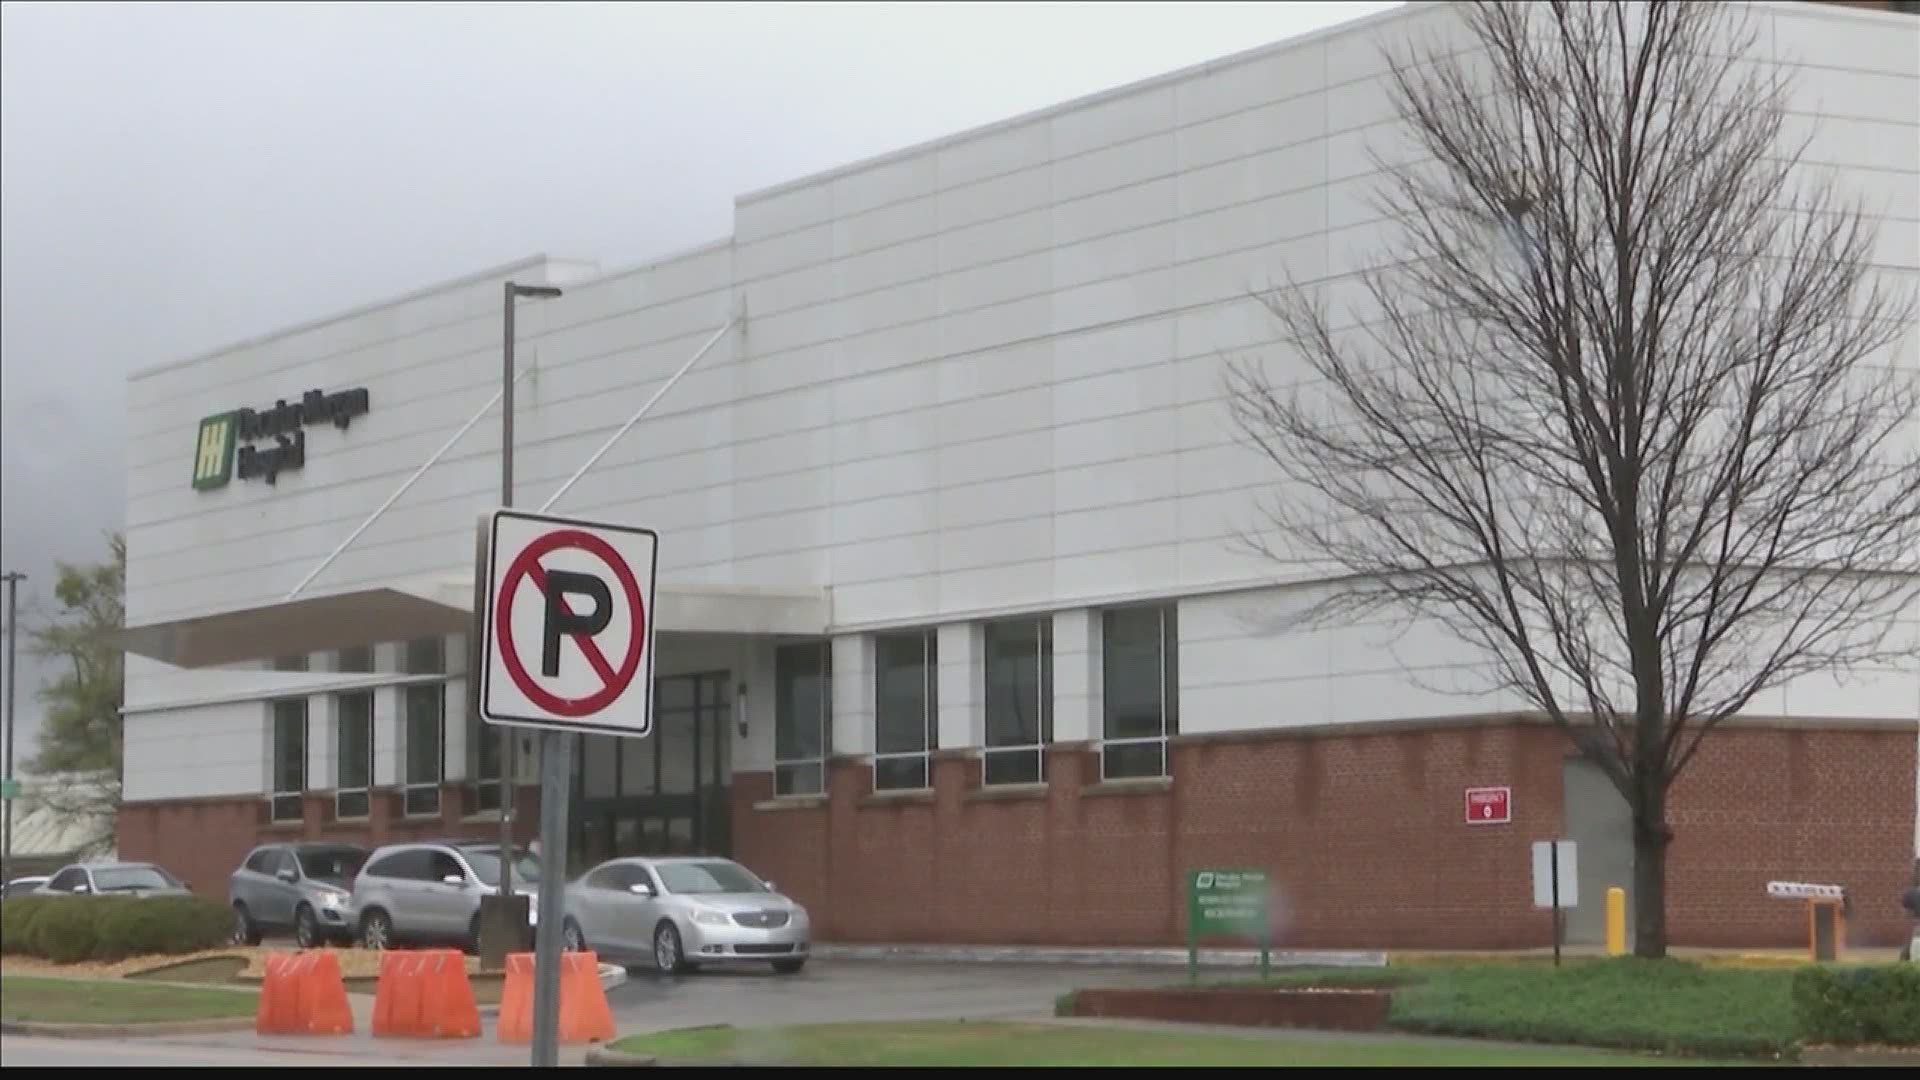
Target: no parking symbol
569,624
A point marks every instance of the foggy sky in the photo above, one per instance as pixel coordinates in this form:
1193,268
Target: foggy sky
177,177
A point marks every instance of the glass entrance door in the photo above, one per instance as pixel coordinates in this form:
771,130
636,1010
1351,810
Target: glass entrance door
666,794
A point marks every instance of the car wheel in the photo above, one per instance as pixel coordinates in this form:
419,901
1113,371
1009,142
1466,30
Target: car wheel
668,958
789,967
571,939
306,928
376,931
244,930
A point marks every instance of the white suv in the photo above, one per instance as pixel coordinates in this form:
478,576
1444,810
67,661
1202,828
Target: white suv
430,892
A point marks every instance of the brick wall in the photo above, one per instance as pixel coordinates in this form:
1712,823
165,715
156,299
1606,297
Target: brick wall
1362,834
203,840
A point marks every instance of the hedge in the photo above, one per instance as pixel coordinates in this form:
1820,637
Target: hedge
68,930
16,923
1858,1006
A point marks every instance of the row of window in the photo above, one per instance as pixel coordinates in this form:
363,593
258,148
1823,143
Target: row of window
1139,652
422,742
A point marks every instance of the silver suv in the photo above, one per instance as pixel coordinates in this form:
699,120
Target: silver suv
430,892
303,888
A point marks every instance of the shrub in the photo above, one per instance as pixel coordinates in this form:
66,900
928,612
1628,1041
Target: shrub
1853,1006
65,930
16,924
161,926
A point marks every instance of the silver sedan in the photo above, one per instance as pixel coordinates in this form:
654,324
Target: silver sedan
684,912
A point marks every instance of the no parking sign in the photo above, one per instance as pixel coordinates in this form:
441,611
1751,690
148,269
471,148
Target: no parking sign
568,625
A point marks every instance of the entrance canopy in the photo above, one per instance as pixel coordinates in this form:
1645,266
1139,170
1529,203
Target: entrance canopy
438,607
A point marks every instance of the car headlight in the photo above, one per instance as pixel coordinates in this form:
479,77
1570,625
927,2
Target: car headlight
333,900
707,917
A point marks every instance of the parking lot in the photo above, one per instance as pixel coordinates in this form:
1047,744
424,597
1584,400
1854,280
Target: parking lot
827,991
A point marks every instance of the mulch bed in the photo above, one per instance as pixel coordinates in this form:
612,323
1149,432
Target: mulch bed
1323,1008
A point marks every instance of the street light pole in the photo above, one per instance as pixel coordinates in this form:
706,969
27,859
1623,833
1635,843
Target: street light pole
13,578
507,927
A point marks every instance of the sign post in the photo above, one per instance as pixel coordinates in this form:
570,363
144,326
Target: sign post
1227,903
568,648
1556,882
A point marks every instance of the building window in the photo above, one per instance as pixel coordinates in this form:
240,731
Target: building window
426,729
1019,700
353,714
802,717
906,720
486,763
289,759
1141,688
353,740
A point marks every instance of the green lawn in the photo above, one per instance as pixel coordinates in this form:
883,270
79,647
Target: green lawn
1662,1005
115,1001
1004,1044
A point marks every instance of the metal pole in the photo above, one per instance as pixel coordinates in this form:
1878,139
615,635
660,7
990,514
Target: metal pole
1556,903
13,579
506,499
635,418
556,774
402,489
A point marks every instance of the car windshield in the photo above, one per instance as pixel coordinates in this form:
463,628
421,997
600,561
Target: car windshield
486,865
709,877
124,878
332,864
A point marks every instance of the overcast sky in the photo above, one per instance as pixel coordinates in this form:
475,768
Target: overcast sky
177,177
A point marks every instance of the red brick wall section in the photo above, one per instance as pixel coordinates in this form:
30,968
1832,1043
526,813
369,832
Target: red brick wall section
1756,806
203,840
1363,835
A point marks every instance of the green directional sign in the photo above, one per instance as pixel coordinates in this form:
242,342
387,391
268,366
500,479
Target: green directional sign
1227,903
9,788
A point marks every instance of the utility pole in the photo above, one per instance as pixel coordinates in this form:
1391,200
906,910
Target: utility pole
13,578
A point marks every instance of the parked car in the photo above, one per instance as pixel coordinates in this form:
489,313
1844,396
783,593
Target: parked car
22,885
684,912
430,891
112,879
302,888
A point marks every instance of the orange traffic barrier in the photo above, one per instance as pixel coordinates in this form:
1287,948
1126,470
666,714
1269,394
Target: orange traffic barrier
584,1015
425,995
303,994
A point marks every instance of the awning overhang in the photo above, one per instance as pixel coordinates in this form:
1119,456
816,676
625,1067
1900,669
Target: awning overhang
442,606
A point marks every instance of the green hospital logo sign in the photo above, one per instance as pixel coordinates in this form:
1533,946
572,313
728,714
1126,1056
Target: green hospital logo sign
213,452
225,446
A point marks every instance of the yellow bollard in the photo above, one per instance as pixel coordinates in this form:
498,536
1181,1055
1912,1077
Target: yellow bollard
1616,921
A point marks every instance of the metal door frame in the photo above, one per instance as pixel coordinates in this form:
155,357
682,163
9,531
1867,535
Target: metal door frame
607,810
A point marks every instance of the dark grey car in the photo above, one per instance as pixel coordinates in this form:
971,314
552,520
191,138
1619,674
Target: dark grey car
302,889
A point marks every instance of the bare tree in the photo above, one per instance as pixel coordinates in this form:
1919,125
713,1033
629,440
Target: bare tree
1624,414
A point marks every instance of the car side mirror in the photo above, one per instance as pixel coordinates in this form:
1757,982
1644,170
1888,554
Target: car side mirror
640,889
771,887
453,879
82,889
285,874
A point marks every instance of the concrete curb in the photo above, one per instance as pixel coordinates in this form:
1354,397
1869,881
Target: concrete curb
614,1059
1093,957
125,1031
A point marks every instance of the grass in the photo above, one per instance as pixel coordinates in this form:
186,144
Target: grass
91,1001
1670,1006
1040,1045
957,1043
